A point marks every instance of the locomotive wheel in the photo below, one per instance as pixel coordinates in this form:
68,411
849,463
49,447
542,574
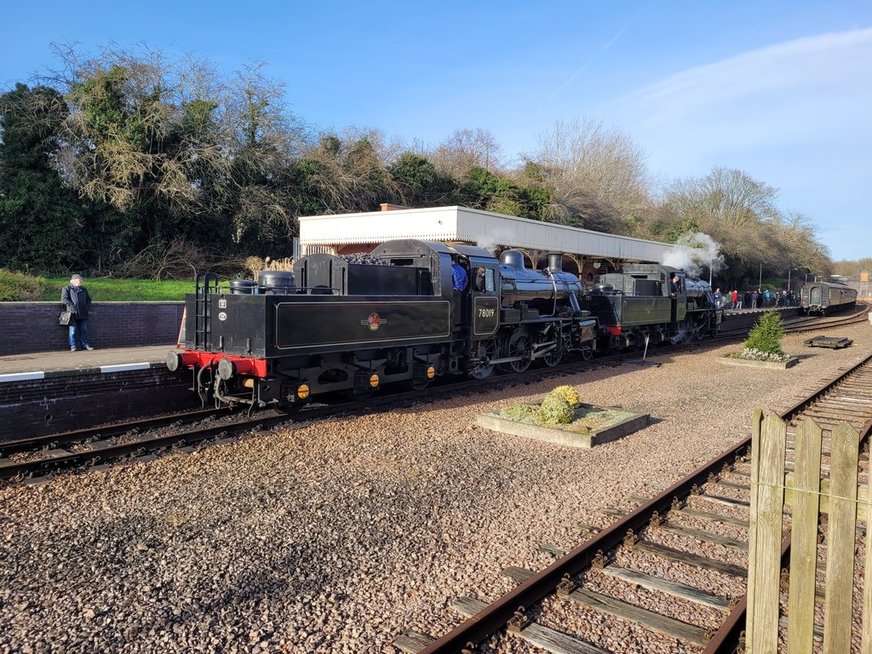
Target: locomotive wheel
484,350
555,356
694,331
587,354
517,346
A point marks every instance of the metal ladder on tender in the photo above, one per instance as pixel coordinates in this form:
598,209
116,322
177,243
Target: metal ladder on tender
206,285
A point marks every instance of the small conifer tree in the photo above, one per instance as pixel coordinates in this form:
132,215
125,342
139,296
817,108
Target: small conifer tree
765,337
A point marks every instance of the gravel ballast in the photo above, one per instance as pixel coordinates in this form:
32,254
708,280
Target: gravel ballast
337,535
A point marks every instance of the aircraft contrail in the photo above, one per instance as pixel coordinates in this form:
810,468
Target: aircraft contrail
598,53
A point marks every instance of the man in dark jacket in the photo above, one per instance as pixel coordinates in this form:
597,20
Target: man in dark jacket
77,301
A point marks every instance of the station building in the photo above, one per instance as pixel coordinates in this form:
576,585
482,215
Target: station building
586,253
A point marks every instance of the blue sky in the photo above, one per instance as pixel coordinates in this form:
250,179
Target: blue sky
781,90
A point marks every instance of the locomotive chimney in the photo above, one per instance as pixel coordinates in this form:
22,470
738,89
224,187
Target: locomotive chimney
555,261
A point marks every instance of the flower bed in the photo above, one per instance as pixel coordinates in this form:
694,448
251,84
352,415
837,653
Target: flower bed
772,361
590,425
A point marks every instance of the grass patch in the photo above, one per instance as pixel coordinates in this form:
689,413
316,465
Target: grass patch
122,290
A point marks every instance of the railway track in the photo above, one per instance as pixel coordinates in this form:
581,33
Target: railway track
796,324
657,555
35,457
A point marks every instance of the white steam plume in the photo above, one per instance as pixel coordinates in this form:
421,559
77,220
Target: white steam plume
693,252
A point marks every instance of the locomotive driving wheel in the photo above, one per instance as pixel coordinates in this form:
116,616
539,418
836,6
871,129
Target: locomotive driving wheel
695,330
518,346
555,356
485,351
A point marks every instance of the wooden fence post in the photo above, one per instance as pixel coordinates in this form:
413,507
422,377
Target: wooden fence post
766,519
840,539
756,423
803,548
866,645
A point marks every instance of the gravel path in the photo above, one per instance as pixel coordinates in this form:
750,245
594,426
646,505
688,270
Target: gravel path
335,536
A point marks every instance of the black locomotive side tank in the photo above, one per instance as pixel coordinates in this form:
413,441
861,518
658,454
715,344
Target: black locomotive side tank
537,289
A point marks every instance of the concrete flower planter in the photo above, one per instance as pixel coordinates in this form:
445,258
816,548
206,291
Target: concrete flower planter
565,435
778,365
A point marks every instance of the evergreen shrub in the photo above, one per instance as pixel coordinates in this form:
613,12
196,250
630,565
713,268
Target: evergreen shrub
555,410
569,393
18,287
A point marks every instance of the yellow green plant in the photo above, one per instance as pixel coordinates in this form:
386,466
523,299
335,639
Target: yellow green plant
569,394
555,410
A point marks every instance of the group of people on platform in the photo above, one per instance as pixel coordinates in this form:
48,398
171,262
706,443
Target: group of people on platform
756,299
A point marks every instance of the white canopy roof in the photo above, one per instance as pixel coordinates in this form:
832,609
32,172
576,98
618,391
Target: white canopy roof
484,228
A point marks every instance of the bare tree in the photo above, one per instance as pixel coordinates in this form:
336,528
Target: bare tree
466,149
740,212
728,196
599,176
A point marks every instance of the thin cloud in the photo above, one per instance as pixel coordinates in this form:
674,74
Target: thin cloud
834,63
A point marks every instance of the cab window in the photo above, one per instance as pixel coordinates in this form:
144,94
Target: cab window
484,280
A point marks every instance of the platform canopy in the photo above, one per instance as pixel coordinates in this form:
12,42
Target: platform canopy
484,228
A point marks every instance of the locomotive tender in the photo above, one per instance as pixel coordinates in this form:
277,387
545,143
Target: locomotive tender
334,325
824,297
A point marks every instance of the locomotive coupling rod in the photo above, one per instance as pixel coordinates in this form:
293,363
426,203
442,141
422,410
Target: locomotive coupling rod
493,362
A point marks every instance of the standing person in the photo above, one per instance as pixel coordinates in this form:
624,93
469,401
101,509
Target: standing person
734,299
754,296
77,301
458,276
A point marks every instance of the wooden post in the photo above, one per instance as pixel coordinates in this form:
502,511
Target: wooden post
866,646
840,539
756,423
769,493
803,548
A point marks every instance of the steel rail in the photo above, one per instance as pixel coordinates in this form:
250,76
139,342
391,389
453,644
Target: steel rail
10,470
103,431
497,614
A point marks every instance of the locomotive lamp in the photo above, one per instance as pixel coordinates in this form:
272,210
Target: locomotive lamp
226,369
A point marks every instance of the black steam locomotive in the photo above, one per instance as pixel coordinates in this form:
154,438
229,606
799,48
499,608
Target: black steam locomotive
333,325
826,297
651,303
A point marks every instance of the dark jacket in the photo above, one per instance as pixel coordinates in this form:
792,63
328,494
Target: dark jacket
76,300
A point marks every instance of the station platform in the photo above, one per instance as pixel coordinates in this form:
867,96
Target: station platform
39,365
745,312
49,392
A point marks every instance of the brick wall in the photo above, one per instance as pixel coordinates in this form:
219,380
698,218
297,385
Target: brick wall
33,326
78,401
